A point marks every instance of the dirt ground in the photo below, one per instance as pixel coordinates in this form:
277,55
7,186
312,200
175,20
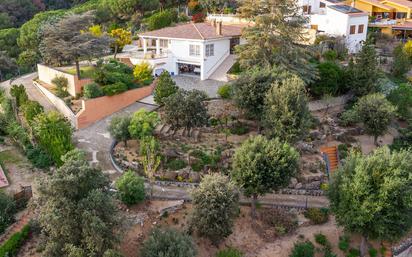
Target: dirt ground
244,236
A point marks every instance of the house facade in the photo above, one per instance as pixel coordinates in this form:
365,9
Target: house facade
335,18
197,49
392,17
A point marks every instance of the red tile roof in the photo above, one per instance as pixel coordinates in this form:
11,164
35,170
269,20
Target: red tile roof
198,31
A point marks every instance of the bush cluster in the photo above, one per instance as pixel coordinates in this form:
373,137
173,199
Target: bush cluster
282,221
7,210
162,19
317,215
92,90
225,91
130,188
175,164
229,252
303,249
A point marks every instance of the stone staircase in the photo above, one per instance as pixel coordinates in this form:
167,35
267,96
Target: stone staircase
220,73
332,155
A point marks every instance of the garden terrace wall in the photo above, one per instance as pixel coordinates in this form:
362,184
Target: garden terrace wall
75,85
58,103
98,108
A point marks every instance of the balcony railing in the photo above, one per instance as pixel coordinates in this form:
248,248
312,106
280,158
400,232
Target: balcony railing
383,22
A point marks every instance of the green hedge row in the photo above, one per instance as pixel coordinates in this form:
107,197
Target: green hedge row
13,244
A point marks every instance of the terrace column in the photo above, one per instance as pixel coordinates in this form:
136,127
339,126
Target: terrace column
157,46
144,46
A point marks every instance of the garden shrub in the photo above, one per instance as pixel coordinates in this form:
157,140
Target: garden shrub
161,19
143,73
175,164
239,129
92,90
165,86
61,84
111,72
38,157
404,140
225,91
229,252
130,188
7,210
330,80
30,110
330,55
143,123
343,244
348,118
115,89
19,94
401,97
283,221
321,239
353,253
206,158
317,215
18,134
235,69
11,247
303,249
327,252
197,166
373,252
168,242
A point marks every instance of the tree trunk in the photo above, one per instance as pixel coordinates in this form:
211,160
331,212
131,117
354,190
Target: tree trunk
253,206
363,246
151,190
125,143
375,140
78,69
116,48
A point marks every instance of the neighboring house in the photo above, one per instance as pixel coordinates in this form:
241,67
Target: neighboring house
198,49
335,18
392,17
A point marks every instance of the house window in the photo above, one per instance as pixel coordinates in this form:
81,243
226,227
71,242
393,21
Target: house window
194,50
307,9
322,5
164,43
210,50
360,29
400,15
352,29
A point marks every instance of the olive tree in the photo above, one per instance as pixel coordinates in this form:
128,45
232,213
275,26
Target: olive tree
286,112
130,188
376,113
119,128
143,123
165,87
261,166
370,195
216,204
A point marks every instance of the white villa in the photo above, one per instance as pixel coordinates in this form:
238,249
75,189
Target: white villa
204,49
333,17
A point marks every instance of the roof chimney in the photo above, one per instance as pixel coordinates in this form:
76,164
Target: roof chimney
219,28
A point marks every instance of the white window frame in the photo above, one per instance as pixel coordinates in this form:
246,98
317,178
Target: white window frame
164,43
210,50
194,50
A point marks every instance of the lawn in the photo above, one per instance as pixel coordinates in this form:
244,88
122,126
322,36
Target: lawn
85,72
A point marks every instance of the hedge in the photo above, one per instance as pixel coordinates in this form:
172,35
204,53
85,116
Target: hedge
12,246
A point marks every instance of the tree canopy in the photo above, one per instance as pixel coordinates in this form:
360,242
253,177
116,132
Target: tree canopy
165,87
370,194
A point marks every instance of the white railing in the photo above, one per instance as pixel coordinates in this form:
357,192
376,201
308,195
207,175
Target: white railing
383,22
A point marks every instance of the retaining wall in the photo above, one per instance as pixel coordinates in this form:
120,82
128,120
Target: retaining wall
98,108
75,85
58,103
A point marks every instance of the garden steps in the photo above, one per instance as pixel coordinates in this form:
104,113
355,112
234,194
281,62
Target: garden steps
332,154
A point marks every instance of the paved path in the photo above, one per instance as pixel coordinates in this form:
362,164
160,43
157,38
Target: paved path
188,83
32,91
96,140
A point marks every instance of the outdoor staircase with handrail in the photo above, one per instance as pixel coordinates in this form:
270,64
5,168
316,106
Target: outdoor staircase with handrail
330,154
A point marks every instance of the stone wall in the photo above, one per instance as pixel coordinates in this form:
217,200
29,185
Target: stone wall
47,74
98,108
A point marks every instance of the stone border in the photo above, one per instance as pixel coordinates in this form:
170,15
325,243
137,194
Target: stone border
405,245
285,191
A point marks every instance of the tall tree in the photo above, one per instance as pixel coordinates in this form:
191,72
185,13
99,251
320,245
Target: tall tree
54,134
119,128
125,9
70,41
276,37
8,66
261,166
165,87
216,204
286,112
77,212
376,113
121,38
363,72
151,160
370,195
401,62
18,11
8,42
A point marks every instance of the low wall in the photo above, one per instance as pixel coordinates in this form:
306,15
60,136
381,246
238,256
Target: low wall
47,74
101,107
58,103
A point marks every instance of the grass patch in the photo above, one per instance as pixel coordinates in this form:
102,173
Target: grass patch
10,156
85,72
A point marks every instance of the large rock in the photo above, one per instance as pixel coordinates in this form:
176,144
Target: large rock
194,177
293,182
170,175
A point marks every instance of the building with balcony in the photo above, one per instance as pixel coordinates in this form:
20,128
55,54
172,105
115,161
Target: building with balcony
197,49
335,18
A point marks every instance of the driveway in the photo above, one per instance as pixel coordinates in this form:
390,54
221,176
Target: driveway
32,91
96,139
188,83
